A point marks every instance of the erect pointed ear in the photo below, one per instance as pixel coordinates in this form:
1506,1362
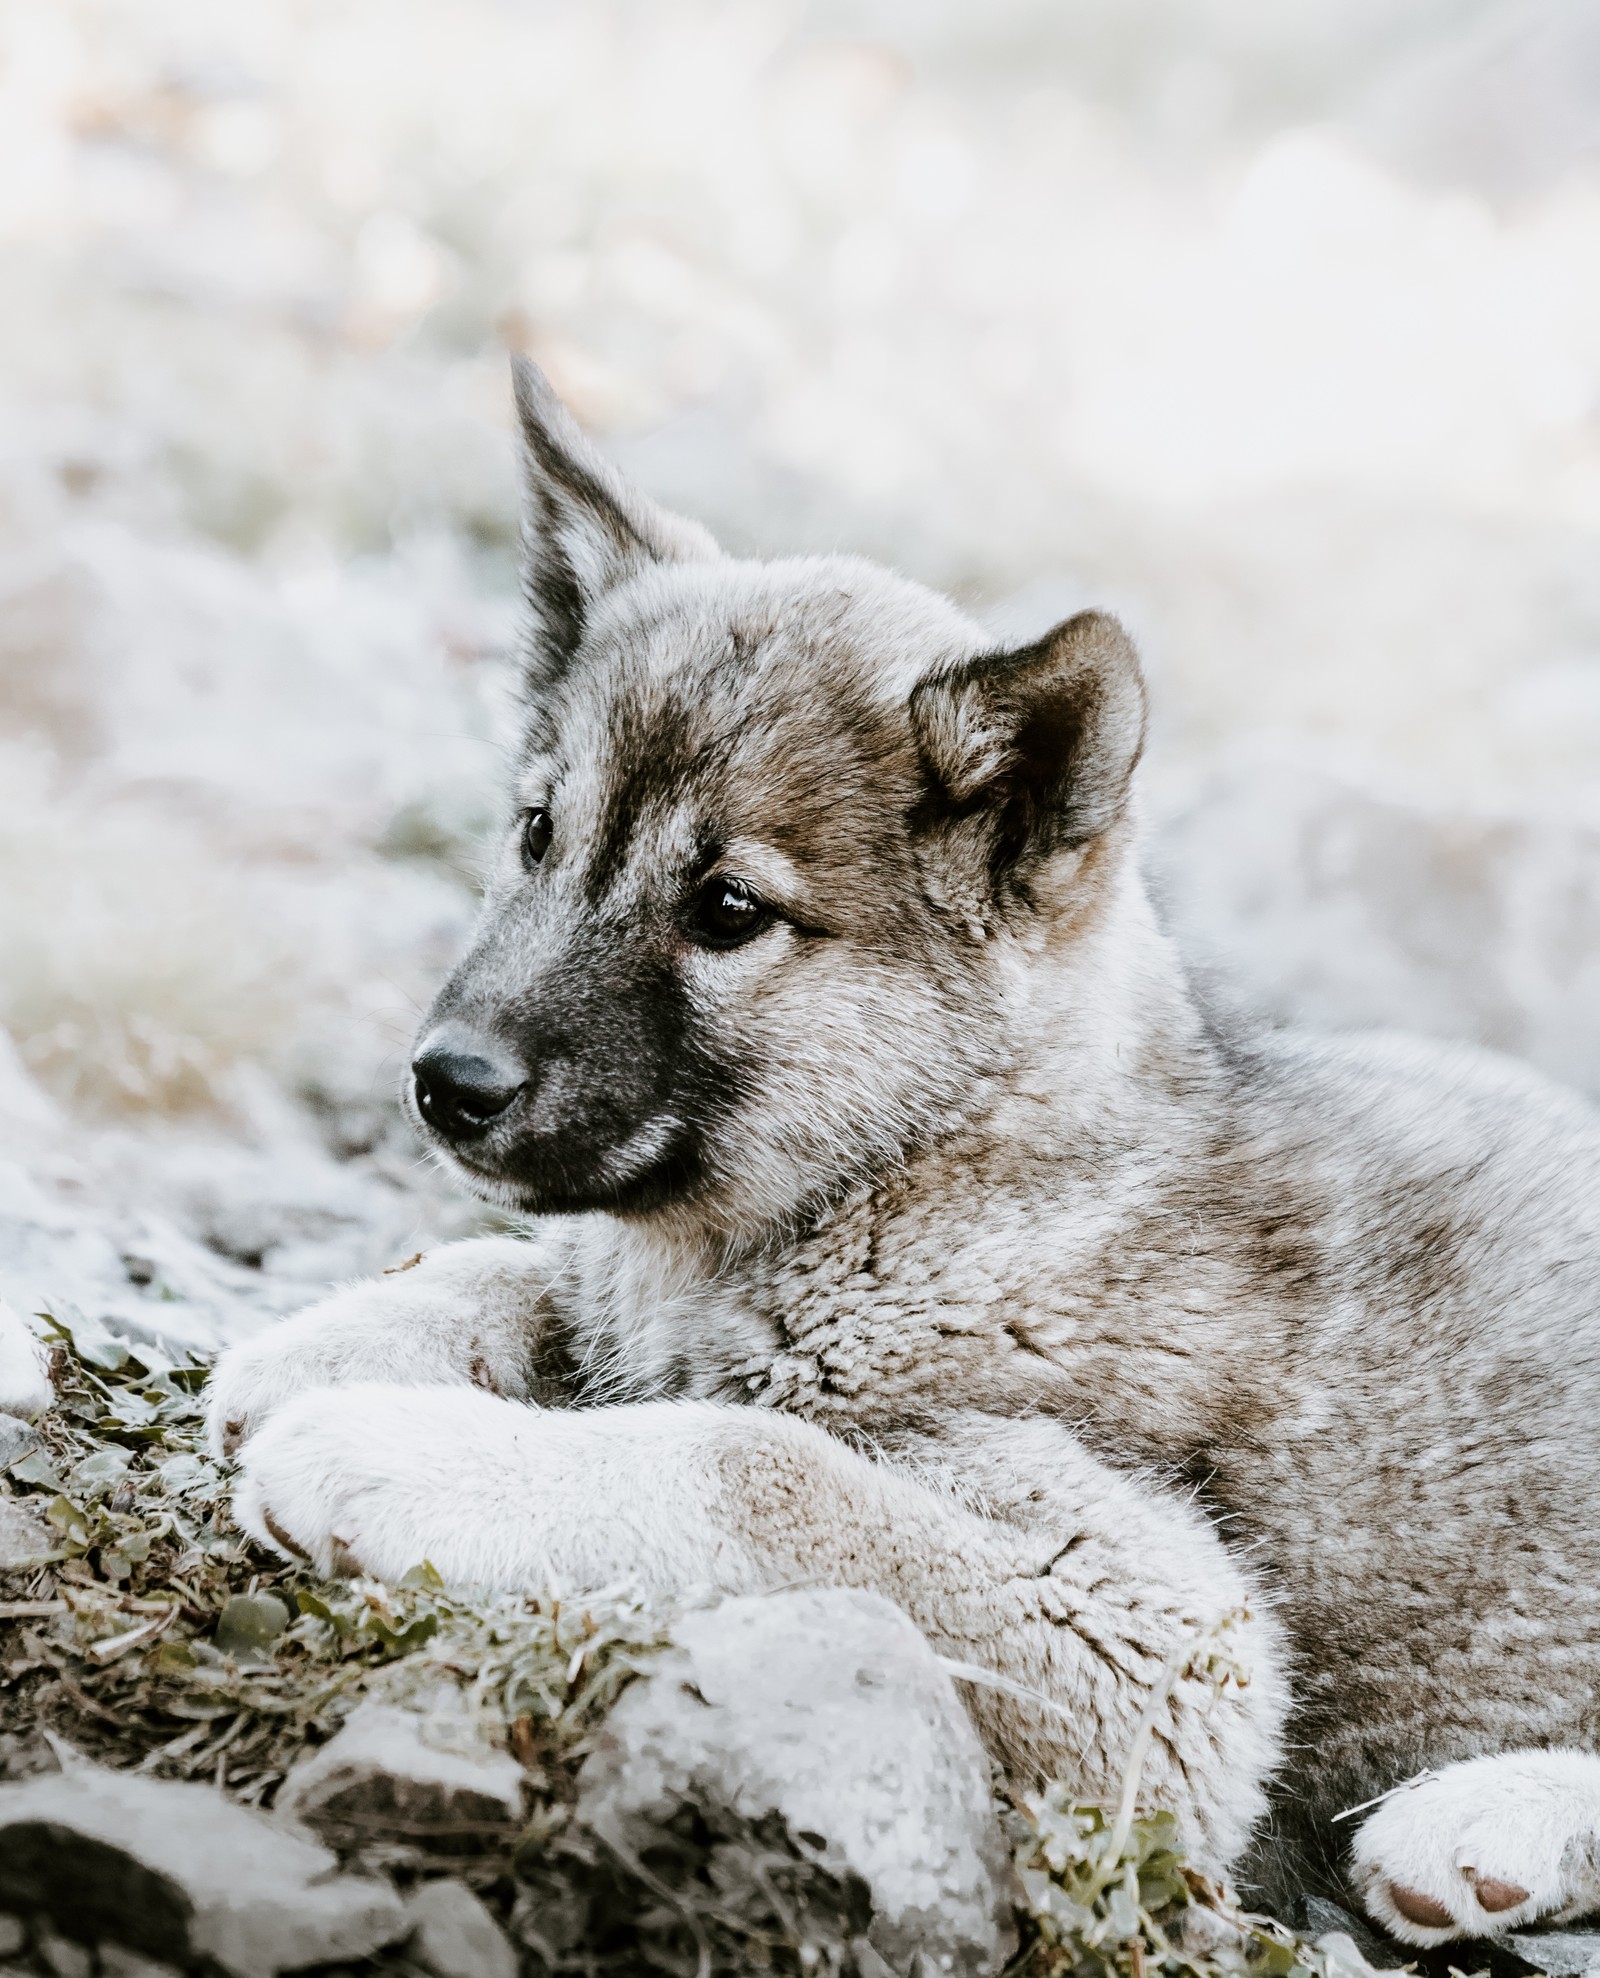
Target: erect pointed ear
584,529
1032,751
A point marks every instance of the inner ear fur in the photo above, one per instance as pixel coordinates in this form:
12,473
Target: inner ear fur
1036,746
585,529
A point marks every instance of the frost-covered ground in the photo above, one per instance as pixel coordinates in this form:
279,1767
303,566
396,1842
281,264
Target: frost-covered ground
1277,329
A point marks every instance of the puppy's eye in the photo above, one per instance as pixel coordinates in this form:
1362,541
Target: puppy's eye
537,827
726,912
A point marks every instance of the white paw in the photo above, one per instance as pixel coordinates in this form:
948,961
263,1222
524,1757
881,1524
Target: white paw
1484,1847
373,1479
463,1314
253,1379
364,1332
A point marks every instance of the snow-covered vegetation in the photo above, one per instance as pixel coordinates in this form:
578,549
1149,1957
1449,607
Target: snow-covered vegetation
1276,330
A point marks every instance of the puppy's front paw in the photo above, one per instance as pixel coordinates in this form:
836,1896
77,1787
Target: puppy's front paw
366,1332
248,1382
345,1337
1484,1847
374,1479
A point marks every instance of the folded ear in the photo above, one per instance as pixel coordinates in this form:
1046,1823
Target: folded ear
584,529
1032,751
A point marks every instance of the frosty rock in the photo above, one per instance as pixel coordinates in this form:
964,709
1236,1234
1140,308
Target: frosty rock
829,1708
178,1873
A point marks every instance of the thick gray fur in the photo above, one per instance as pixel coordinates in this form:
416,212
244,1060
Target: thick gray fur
937,1240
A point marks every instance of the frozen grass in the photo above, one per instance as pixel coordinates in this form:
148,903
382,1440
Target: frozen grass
151,1634
1275,331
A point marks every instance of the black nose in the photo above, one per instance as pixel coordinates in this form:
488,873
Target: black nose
463,1084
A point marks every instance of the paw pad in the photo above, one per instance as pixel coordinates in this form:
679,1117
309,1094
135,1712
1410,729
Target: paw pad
1422,1910
1494,1895
342,1561
282,1537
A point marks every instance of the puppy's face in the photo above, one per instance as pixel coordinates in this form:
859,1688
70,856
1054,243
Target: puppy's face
769,820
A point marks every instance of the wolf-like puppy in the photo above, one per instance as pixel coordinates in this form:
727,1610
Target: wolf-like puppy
905,1222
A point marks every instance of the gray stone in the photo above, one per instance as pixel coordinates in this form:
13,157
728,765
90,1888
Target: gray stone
829,1708
25,1537
13,1935
1563,1953
1318,1918
455,1936
415,1774
180,1874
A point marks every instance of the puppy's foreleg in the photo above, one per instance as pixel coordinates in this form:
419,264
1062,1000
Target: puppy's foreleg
1106,1612
1081,1621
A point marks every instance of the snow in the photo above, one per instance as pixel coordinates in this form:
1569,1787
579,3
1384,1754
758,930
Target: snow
1276,330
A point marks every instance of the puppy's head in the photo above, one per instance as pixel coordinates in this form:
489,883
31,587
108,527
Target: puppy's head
774,827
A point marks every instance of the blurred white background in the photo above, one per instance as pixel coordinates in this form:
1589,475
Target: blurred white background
1276,329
